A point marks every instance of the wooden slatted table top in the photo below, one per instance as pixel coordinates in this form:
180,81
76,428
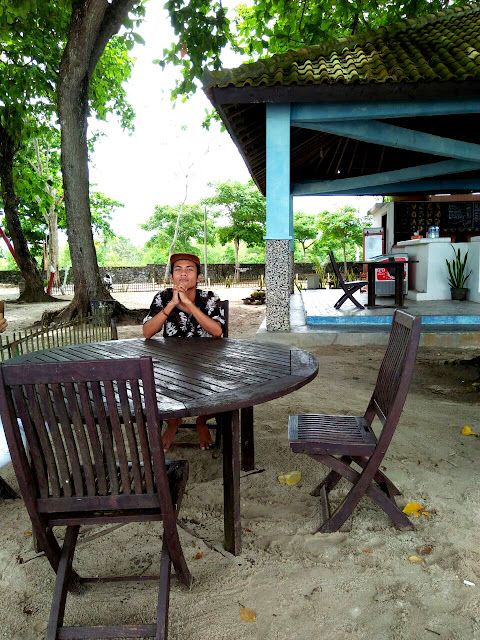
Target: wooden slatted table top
194,376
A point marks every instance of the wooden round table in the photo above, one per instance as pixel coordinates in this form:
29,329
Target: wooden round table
200,376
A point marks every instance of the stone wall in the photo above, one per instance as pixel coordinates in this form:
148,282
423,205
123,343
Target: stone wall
216,272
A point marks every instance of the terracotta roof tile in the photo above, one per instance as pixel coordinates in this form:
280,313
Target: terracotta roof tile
439,47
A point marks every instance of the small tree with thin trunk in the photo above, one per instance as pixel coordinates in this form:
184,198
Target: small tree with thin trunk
244,207
343,228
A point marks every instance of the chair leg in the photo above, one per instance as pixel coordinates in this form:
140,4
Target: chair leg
362,485
163,594
380,478
64,574
231,483
331,479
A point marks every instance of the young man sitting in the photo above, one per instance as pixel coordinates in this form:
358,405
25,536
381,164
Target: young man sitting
185,312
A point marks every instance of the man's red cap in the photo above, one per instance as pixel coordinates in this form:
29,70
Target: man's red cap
184,256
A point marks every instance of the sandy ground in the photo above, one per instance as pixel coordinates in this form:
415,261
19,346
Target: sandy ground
357,583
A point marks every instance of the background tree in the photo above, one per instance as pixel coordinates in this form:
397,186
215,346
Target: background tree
188,235
243,206
342,228
305,231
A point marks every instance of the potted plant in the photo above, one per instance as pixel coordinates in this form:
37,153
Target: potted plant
457,276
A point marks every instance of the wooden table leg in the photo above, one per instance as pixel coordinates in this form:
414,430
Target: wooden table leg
371,285
231,483
399,273
247,439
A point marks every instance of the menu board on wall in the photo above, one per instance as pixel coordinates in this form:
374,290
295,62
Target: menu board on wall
452,217
460,216
476,216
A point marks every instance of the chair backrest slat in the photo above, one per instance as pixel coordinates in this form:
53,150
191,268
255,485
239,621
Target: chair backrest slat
397,366
39,472
336,269
129,430
44,439
77,420
52,429
97,450
66,428
117,436
142,436
106,437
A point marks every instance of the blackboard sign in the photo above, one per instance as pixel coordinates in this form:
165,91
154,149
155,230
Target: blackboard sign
460,215
476,215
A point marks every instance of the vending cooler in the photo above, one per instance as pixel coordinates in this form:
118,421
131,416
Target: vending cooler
384,281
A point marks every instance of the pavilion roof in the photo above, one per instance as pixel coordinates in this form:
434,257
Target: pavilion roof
439,47
429,59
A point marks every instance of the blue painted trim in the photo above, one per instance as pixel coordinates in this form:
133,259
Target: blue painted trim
386,178
278,171
382,320
431,186
316,112
399,137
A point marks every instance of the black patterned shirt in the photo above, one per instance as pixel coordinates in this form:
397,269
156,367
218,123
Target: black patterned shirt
180,324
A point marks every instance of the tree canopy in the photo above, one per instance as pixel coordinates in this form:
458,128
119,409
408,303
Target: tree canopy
341,228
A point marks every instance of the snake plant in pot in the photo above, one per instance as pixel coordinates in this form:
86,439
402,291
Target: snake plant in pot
457,275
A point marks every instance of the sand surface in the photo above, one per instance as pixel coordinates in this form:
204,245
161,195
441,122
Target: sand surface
357,583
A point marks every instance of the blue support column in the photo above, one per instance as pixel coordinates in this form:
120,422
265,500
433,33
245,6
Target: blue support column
279,238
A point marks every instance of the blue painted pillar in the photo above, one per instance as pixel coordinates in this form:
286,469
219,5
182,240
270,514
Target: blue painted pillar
279,238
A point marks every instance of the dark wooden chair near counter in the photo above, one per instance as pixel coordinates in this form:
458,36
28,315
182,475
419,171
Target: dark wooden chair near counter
339,441
349,288
90,461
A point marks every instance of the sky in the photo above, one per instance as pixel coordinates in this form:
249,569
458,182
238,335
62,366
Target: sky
169,152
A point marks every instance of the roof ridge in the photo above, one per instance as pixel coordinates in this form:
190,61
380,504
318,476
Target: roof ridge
339,44
335,45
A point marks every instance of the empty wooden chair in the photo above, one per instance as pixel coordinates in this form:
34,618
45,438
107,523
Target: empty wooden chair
94,456
349,288
340,441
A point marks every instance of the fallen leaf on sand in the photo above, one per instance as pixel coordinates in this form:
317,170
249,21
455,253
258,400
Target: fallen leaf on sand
466,431
426,550
291,477
28,533
197,556
415,508
415,560
367,551
248,615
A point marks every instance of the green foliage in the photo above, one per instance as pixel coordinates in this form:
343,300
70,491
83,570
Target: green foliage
305,231
190,232
244,208
202,31
342,228
117,251
456,269
265,27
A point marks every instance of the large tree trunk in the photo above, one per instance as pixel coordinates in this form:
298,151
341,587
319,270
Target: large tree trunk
93,23
34,288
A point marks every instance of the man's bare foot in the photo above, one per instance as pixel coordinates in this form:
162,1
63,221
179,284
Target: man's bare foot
203,434
169,433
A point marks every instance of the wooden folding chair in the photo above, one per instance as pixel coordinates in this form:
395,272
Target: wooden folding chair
349,288
339,441
94,455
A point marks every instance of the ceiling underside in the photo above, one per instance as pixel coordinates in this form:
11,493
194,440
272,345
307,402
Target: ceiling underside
315,155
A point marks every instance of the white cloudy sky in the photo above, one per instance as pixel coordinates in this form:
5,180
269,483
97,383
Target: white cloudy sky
149,166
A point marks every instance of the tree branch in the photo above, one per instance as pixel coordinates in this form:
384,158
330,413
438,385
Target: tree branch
113,19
